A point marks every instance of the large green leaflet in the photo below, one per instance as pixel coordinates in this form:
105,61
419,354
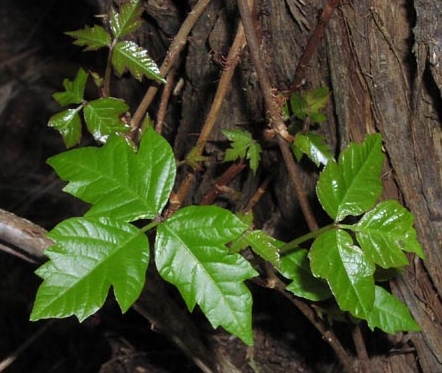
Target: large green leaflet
90,255
68,124
127,19
352,186
92,38
385,232
102,117
190,252
120,183
347,270
128,55
296,267
390,314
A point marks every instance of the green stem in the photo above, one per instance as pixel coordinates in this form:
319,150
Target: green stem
297,241
108,71
149,226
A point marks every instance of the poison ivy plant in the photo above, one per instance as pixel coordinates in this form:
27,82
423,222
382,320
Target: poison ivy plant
351,187
198,249
103,249
243,147
103,116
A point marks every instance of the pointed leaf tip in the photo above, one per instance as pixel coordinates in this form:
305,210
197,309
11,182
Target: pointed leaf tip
190,253
352,186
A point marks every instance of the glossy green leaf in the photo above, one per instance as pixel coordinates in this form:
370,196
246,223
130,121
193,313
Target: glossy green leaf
352,186
90,256
390,314
190,253
92,38
385,231
129,56
262,244
243,147
347,270
127,19
68,123
296,267
118,182
103,117
74,90
314,146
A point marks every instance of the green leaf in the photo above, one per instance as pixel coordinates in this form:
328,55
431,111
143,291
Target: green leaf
296,267
127,19
128,55
243,147
298,105
352,186
390,314
317,99
347,270
103,117
385,231
119,183
90,256
74,90
68,123
309,104
254,155
314,146
190,253
262,244
92,38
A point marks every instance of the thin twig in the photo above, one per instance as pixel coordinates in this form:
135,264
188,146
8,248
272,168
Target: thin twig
5,363
223,180
258,194
274,113
173,53
313,43
361,350
167,91
327,333
223,87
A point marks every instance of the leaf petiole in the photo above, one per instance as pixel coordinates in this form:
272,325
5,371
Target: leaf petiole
149,226
297,241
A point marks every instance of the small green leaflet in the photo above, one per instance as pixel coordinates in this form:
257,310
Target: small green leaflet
243,146
390,314
262,244
296,267
102,117
352,186
349,273
68,124
386,231
190,253
309,104
74,90
314,147
92,38
128,55
120,183
127,19
90,256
